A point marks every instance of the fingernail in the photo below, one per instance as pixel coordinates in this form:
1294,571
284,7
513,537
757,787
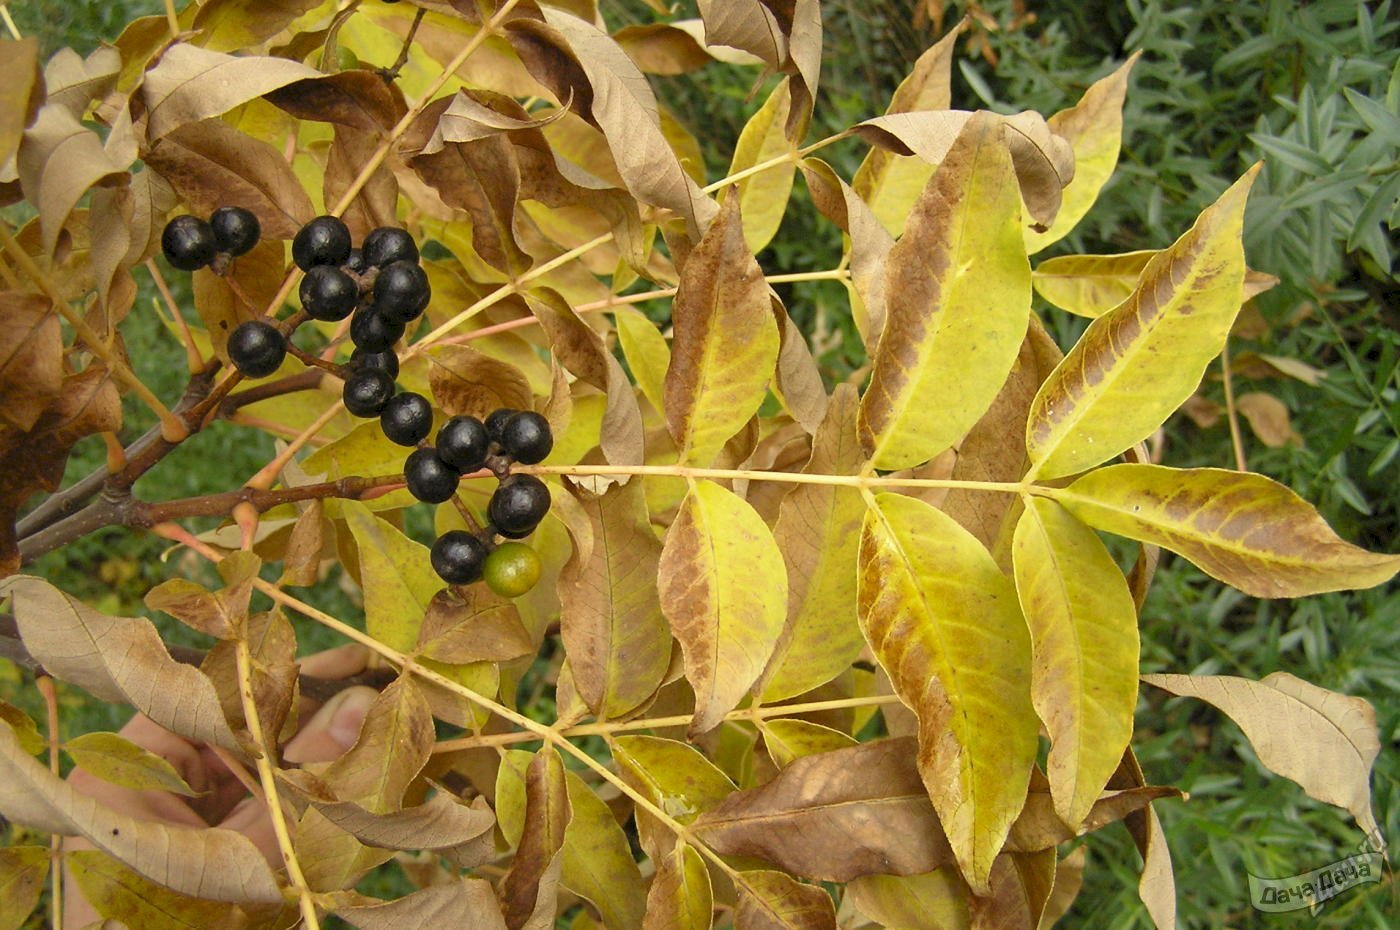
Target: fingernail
350,716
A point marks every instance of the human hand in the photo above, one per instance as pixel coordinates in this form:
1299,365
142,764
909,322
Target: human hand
326,733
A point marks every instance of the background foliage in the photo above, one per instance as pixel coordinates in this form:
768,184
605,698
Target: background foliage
1315,90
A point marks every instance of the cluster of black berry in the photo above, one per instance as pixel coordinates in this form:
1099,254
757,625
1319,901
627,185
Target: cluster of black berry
519,503
385,287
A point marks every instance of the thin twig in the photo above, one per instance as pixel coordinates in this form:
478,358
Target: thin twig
46,687
172,18
390,73
1231,414
193,356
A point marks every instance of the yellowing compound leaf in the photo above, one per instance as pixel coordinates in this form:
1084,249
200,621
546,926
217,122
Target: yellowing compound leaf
1244,529
22,871
725,345
119,894
463,904
818,533
890,182
774,901
788,740
958,297
616,637
723,588
192,83
1084,651
117,659
935,900
209,862
116,759
1090,285
1094,128
679,897
1325,741
835,816
229,25
764,196
1137,363
646,351
528,890
944,623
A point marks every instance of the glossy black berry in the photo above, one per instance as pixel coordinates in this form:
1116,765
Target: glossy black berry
327,293
355,262
401,291
407,418
428,477
389,244
526,438
323,241
387,362
371,331
457,557
367,392
463,444
235,229
518,506
496,422
188,243
257,348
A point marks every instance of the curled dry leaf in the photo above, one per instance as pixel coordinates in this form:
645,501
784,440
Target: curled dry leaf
1268,419
1325,741
461,832
528,889
211,862
725,345
131,664
192,83
723,588
774,901
1244,529
219,614
394,743
662,48
18,102
59,161
31,357
958,302
1136,364
463,904
1021,884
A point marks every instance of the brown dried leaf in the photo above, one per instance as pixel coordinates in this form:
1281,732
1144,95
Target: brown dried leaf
258,273
1021,884
472,624
1069,879
680,897
356,99
116,659
1325,741
18,102
616,637
211,164
31,357
528,890
59,161
1255,365
464,904
273,646
774,901
1268,419
302,561
192,83
394,743
661,48
467,382
73,82
726,342
222,614
442,824
212,863
797,381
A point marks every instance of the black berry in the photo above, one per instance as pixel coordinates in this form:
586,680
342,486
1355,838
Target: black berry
518,506
457,557
257,348
235,229
387,362
389,244
327,293
463,443
525,437
401,291
496,422
355,262
188,243
367,392
428,477
371,331
407,418
323,241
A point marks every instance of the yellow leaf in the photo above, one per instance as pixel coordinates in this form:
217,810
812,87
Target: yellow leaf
818,532
1140,361
958,302
934,900
22,871
1084,651
944,623
119,894
891,183
724,590
764,196
726,341
116,759
1242,528
777,901
680,897
1090,285
646,352
789,740
1094,128
1325,741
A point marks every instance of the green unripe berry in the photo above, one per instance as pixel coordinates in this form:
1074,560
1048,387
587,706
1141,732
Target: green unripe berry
512,569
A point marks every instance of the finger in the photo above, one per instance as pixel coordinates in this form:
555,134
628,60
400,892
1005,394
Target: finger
340,662
178,751
333,729
252,818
